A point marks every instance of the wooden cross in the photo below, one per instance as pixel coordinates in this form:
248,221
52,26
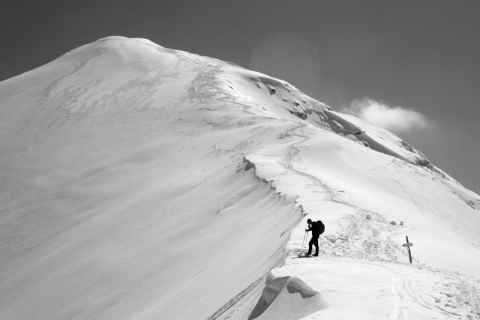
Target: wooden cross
408,245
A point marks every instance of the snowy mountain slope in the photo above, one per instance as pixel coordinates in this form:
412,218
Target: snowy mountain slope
119,197
140,182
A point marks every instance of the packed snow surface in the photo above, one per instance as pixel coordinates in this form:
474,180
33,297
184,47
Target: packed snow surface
140,182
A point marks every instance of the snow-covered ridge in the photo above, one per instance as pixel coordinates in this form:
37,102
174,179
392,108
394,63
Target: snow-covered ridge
140,182
277,97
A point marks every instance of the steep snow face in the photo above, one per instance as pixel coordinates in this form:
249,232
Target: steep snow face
124,189
140,182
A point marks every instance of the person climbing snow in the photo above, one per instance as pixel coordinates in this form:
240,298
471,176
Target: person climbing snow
317,229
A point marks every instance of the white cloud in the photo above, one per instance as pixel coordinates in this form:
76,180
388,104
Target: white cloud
394,118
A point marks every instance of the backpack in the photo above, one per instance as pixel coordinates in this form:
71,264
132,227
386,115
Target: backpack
320,227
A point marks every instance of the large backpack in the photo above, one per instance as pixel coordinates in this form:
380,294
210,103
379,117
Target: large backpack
320,227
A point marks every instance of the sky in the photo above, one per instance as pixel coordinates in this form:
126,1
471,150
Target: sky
410,66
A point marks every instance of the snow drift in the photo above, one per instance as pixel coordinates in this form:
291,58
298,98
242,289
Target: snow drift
287,298
140,182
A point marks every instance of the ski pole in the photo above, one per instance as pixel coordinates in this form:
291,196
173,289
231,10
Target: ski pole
304,240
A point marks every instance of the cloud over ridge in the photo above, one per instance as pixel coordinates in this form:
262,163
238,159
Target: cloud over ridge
394,118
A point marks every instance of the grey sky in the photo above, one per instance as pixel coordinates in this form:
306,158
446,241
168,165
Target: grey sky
415,55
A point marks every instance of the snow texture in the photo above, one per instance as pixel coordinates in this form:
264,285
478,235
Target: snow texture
286,298
140,182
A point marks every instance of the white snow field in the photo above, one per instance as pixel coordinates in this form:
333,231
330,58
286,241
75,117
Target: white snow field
139,182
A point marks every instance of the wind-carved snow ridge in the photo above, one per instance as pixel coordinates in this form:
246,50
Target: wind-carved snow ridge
291,198
306,166
284,97
230,308
141,182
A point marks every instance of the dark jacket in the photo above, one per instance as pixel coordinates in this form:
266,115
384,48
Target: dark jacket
315,228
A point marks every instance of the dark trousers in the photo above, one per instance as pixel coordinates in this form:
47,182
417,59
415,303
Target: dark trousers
313,242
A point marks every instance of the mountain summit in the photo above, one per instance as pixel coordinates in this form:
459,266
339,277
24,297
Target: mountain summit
140,182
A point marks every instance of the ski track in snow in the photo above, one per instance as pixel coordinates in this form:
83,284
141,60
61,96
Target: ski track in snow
385,253
356,223
451,294
362,237
293,150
